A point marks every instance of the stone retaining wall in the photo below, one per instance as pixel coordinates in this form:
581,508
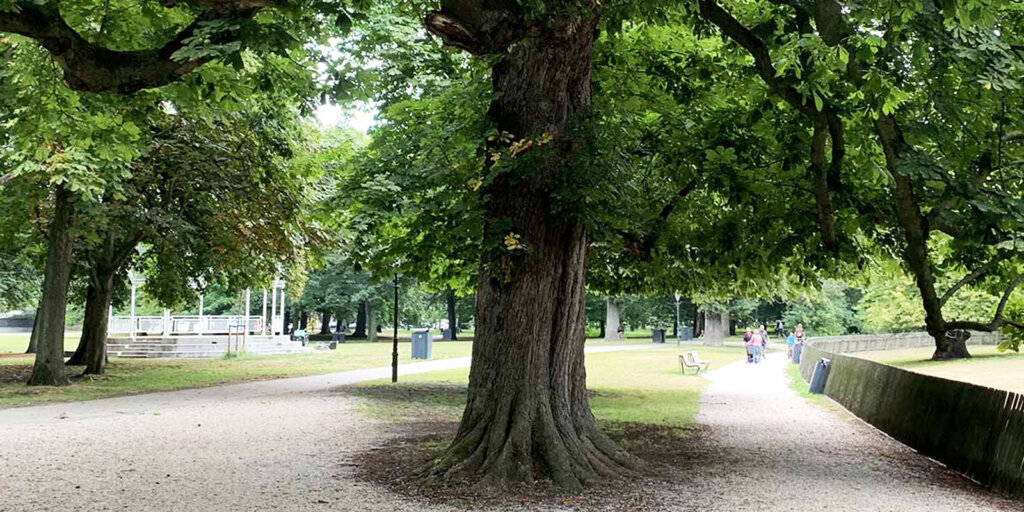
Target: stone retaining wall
973,429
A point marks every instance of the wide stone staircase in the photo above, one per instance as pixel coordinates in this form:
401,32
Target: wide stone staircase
200,346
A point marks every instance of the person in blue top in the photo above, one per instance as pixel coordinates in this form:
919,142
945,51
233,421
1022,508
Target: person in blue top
790,341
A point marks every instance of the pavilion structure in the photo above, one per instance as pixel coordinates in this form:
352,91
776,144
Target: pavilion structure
202,329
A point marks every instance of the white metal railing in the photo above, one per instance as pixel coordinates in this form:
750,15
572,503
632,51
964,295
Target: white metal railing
183,325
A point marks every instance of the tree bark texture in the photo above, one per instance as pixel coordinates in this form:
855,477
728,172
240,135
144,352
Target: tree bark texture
33,338
303,320
611,321
360,331
325,322
92,346
715,327
527,416
48,369
453,324
372,327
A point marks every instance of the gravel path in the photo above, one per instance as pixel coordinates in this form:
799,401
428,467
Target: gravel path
765,448
274,445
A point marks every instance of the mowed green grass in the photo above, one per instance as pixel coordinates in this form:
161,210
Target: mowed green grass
628,387
132,376
987,367
16,343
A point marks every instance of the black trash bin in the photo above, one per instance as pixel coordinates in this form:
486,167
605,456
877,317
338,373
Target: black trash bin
820,376
422,345
686,333
658,336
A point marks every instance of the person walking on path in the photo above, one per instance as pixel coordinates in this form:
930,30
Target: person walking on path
746,344
780,328
755,346
790,341
799,334
764,341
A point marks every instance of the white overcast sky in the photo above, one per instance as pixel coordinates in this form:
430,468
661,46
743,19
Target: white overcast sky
360,118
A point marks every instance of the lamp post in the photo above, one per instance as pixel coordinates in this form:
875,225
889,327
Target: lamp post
394,339
677,319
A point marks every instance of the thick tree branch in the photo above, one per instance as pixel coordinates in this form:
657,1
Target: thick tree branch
825,176
91,67
972,277
641,246
997,319
740,34
478,27
822,197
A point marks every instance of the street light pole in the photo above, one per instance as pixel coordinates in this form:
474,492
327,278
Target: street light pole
394,341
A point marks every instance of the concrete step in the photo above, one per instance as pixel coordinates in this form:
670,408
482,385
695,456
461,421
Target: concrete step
199,347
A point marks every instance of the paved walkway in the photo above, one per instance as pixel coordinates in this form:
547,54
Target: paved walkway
286,445
273,445
763,447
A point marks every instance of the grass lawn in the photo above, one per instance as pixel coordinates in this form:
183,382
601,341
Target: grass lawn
796,383
131,376
988,367
16,343
631,387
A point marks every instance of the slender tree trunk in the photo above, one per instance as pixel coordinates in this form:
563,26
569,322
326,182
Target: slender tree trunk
94,328
360,332
372,326
78,358
611,325
303,320
325,322
916,233
715,327
33,339
527,415
49,364
601,332
453,324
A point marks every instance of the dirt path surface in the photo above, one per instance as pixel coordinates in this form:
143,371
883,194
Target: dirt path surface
763,447
273,445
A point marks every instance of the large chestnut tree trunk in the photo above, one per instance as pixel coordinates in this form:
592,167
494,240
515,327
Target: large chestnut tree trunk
527,415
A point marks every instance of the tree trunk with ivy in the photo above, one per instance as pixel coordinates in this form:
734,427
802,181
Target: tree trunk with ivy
527,416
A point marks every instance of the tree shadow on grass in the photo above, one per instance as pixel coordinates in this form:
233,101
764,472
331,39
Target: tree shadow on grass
420,419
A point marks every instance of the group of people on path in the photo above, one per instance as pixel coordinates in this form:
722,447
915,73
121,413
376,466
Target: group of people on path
756,341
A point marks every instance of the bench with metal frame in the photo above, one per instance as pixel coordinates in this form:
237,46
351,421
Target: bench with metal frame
692,360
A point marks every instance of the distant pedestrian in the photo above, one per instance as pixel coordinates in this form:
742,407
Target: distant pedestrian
799,334
780,328
790,341
764,341
749,335
756,346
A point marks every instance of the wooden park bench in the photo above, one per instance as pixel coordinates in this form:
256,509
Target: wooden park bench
692,360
